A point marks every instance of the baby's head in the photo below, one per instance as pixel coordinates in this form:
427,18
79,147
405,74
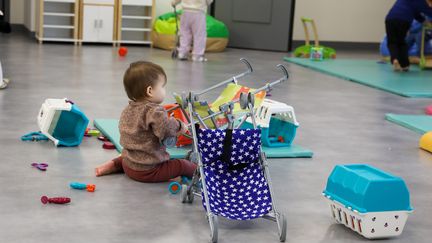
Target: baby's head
429,2
145,81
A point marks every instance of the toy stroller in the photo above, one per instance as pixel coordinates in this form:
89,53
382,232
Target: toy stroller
231,92
232,175
204,109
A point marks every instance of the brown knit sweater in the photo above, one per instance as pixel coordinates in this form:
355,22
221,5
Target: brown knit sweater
143,126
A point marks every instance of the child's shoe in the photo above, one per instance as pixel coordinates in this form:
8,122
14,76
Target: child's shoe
4,83
405,69
196,58
182,57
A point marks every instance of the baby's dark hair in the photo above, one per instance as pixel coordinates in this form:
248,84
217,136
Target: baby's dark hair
139,76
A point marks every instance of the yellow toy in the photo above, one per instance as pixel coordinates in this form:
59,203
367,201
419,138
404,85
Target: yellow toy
426,142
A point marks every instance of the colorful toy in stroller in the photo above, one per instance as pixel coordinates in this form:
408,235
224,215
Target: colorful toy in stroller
277,120
232,176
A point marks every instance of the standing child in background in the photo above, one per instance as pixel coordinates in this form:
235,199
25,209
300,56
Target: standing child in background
398,22
193,29
144,124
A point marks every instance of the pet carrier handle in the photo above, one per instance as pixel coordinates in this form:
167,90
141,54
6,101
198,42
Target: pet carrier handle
231,80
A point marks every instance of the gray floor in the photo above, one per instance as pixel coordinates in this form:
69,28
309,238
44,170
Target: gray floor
342,122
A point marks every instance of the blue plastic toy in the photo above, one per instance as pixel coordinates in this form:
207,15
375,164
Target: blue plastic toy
82,186
277,122
62,122
34,136
367,200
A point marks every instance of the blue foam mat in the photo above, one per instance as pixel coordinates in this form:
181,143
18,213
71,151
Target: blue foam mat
417,123
109,128
415,83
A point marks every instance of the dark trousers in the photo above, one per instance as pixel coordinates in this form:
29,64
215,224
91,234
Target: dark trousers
396,33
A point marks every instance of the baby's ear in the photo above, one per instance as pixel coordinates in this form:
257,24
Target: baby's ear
149,91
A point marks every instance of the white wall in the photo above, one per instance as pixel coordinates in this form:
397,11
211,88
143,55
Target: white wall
30,14
163,6
344,20
337,20
17,11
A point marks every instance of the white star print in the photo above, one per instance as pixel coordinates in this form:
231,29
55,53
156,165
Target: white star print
228,190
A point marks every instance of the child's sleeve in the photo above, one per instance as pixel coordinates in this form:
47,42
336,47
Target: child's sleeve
163,126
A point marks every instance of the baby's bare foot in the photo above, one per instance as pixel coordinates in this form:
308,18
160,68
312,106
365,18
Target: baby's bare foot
106,168
177,179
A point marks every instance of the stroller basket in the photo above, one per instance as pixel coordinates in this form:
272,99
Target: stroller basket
239,194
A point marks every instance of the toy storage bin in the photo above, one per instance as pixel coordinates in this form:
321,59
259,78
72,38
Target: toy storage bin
62,122
277,121
367,200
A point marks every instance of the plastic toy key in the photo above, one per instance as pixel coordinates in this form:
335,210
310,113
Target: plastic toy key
108,145
82,186
103,138
91,133
40,166
56,200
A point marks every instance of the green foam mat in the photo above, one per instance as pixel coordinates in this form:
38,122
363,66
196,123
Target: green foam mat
415,83
109,128
418,123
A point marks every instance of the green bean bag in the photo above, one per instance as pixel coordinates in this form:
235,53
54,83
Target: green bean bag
164,29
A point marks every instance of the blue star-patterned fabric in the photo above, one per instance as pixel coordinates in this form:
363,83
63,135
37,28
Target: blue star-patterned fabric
240,194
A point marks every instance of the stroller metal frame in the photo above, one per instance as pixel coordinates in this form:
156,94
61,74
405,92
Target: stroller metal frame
246,101
183,105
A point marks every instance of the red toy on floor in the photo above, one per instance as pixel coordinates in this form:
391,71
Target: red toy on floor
56,200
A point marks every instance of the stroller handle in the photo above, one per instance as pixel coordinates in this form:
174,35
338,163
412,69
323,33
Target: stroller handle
269,86
231,80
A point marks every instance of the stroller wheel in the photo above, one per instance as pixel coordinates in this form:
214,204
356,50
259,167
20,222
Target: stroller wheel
185,196
183,193
213,221
282,225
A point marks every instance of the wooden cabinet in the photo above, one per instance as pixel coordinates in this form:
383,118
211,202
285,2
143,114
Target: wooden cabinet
96,21
135,21
57,20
